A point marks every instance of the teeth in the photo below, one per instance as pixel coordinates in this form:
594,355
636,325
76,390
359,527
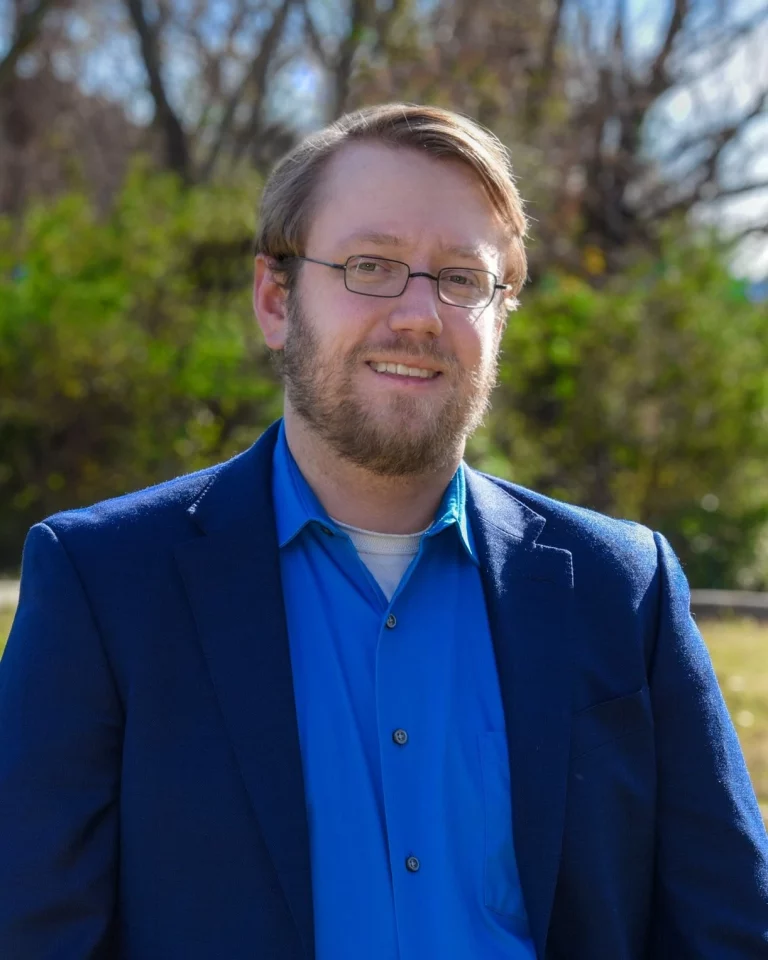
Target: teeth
403,371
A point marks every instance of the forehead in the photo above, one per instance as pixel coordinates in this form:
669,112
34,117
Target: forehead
373,189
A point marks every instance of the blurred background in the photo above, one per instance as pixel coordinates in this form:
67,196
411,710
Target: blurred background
135,136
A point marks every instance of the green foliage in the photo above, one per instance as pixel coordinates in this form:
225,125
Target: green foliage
128,354
645,397
128,349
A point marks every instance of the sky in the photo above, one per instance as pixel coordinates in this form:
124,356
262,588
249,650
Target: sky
116,70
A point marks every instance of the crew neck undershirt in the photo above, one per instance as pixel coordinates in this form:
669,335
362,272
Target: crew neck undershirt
386,555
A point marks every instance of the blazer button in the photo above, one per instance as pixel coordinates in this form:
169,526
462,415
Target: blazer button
391,621
412,863
400,737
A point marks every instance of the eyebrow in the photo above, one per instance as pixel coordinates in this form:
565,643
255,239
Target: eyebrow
379,239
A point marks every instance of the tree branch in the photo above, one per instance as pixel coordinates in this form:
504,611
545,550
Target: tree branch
359,18
725,193
707,191
315,42
177,150
752,231
27,31
256,78
718,135
542,80
659,65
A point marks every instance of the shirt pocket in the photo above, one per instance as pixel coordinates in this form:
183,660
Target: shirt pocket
501,880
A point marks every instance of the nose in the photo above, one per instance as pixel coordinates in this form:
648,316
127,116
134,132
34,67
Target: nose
416,309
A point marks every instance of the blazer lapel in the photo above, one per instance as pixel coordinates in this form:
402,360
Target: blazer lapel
232,578
529,591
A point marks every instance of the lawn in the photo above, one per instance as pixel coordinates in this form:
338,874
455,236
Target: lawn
739,650
6,618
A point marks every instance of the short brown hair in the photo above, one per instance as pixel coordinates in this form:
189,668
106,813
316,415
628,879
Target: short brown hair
290,193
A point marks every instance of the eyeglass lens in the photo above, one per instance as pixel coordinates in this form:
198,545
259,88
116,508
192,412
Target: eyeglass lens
379,277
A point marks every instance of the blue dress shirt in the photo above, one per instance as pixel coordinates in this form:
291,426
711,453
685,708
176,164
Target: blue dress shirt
404,753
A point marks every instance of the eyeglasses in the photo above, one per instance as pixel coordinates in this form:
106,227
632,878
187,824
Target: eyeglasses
379,277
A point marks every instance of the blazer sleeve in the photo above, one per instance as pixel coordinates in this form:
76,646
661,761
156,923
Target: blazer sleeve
60,745
711,894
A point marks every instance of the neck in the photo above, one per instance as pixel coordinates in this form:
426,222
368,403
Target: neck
356,496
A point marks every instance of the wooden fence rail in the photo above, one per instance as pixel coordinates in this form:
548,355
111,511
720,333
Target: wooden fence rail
704,603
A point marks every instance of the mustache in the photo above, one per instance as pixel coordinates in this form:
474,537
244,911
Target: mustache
405,350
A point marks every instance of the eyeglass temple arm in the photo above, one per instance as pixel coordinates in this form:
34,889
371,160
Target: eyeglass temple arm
325,263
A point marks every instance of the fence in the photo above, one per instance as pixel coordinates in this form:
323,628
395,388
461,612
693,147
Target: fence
704,603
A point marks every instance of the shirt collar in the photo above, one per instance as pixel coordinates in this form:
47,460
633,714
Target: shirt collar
297,506
295,502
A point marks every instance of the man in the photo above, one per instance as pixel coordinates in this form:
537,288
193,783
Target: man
343,697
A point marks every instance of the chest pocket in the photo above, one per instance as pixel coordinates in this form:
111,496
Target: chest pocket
501,881
610,720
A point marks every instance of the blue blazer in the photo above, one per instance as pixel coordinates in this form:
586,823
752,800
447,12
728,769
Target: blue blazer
151,795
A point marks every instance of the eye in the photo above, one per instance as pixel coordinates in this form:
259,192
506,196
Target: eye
373,266
462,279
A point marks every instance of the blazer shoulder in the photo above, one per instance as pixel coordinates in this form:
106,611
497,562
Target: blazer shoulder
588,534
140,513
145,522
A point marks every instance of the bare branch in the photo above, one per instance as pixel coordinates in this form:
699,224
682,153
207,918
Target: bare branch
315,41
751,231
659,66
718,136
177,152
722,42
542,81
164,14
211,61
725,193
256,79
27,31
360,15
708,191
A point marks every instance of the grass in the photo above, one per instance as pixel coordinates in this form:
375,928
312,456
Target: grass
739,650
6,618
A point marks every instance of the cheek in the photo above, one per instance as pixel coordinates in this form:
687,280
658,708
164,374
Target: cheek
475,343
335,328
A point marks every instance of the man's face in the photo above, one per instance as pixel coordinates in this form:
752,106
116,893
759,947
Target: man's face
397,204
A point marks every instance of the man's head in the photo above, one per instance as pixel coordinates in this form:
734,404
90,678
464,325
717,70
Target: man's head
416,185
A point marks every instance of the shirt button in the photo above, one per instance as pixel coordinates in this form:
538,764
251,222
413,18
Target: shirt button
400,736
412,863
391,621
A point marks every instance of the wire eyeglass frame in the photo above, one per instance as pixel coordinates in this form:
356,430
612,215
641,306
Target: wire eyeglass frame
495,285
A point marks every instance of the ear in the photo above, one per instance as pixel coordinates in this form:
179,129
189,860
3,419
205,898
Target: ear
269,303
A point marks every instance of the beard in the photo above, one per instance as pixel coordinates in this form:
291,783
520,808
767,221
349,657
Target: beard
415,434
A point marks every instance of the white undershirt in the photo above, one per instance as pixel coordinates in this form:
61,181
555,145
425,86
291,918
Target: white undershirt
387,555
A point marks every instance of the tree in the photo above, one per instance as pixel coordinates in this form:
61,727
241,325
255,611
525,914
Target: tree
645,398
586,108
27,25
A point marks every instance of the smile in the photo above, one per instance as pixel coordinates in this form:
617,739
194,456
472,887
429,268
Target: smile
401,370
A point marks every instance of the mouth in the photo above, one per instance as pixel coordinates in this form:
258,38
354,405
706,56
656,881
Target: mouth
403,372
